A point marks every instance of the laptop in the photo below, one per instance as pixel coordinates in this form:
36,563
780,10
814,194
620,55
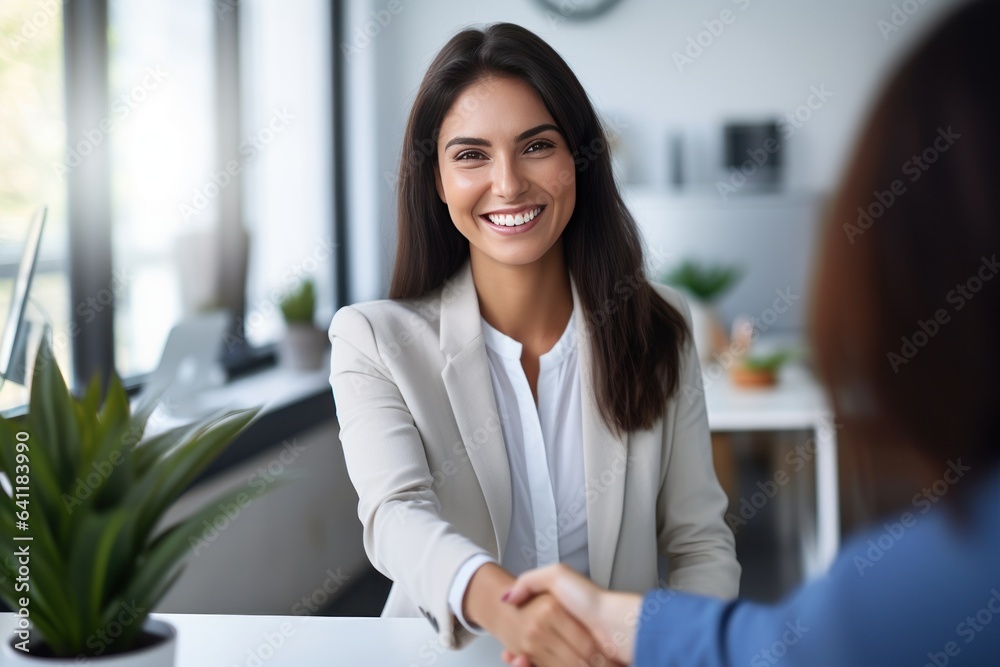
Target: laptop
189,364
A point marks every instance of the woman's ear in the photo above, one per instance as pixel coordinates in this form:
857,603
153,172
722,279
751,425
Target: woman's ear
438,184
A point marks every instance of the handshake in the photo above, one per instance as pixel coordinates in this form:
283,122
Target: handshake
553,616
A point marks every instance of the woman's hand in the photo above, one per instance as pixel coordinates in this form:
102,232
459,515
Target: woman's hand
540,630
611,618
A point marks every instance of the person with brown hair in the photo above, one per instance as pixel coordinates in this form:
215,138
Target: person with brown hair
525,396
904,324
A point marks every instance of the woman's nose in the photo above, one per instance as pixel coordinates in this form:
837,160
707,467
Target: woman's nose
508,180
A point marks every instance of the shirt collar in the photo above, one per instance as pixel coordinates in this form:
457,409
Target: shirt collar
509,348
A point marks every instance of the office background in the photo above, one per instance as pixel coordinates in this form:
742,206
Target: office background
206,153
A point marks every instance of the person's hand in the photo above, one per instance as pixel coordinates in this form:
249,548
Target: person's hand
539,630
611,618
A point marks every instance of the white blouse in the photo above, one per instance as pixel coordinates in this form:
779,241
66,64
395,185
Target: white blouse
545,454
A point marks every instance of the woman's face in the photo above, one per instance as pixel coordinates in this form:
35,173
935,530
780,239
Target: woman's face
505,172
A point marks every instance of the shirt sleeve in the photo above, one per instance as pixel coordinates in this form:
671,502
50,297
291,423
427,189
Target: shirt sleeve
458,586
678,628
896,595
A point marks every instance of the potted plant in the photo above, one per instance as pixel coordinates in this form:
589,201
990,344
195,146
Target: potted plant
90,493
304,343
705,285
760,370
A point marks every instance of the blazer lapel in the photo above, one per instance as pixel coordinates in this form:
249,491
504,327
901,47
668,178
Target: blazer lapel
466,377
604,463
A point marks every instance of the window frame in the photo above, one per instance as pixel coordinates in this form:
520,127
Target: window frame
89,214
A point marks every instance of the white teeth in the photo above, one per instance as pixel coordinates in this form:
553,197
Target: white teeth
514,220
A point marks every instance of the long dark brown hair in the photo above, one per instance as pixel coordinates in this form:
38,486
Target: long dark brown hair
906,311
636,336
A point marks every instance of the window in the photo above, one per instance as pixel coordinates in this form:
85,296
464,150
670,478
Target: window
287,118
32,150
164,206
218,123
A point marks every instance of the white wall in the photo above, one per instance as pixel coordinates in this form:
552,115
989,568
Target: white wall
764,63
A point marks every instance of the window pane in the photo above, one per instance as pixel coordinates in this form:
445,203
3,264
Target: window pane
287,199
32,166
163,143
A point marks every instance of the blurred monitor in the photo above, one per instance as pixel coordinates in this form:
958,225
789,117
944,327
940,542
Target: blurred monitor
754,149
14,340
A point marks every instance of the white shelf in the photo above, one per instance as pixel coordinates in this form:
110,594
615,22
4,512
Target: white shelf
708,196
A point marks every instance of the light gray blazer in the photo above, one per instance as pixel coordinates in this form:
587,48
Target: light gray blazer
424,449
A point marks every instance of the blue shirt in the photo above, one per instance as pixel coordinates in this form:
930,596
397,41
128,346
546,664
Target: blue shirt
921,589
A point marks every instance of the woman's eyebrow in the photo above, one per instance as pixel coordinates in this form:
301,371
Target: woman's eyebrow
474,141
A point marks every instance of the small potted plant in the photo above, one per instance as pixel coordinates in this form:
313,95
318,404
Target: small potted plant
759,370
705,285
83,554
304,344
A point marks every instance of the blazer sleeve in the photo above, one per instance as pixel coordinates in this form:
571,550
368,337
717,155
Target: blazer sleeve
405,537
691,505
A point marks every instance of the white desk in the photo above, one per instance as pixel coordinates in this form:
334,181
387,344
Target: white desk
206,640
272,389
796,403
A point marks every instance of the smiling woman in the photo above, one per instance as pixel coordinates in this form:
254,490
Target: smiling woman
518,399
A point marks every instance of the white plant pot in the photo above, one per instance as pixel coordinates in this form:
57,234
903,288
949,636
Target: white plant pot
706,330
701,329
160,654
302,348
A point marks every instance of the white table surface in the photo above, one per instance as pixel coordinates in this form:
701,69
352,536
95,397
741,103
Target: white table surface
796,402
208,640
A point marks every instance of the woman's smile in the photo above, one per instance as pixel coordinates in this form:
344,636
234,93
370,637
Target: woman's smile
520,222
513,217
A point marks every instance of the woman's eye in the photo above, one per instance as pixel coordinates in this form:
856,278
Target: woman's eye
470,155
539,145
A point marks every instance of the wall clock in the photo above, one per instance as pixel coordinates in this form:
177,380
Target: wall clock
578,10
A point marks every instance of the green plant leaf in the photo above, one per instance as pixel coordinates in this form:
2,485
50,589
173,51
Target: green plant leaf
707,283
88,405
173,544
55,420
130,631
770,363
96,494
152,449
299,305
90,557
179,468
